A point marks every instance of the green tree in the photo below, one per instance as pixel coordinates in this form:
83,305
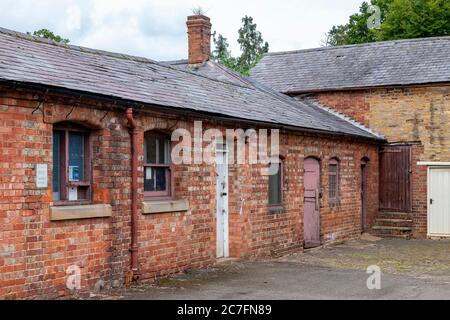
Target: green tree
221,52
47,34
400,19
416,19
251,44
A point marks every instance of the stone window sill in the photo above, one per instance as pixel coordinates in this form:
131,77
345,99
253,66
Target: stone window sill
276,209
164,206
62,213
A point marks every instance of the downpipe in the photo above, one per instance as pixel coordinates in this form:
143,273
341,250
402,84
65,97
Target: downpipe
134,274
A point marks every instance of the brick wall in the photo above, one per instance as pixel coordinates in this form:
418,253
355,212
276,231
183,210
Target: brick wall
36,252
415,115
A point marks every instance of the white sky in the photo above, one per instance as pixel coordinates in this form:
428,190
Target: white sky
156,29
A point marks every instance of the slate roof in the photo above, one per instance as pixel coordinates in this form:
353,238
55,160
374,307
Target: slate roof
210,69
31,60
390,63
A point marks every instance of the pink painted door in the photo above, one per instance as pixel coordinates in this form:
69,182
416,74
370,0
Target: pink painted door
312,203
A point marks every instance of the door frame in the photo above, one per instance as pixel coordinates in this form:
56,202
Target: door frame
226,240
431,166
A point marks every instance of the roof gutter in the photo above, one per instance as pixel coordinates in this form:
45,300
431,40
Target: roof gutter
339,89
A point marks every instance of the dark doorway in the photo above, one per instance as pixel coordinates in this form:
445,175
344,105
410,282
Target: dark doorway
364,174
395,178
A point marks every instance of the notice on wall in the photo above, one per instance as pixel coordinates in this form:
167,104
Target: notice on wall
73,194
41,176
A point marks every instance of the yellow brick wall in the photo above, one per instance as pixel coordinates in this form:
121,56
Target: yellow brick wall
414,114
409,114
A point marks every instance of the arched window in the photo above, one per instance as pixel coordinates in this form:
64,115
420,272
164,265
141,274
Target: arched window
276,186
71,176
157,165
333,180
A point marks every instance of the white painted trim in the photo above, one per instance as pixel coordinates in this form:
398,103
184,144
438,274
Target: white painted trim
437,164
429,234
428,201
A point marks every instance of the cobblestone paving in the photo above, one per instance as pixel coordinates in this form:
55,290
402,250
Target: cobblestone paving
411,269
420,258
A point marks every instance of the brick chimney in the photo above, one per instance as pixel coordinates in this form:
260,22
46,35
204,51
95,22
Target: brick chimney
199,34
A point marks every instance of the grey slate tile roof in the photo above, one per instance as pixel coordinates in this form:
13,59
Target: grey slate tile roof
210,69
402,62
26,59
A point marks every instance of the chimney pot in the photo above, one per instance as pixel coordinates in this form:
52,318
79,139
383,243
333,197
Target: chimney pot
199,37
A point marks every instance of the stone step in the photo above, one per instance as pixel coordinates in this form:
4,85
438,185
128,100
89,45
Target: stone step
400,236
393,222
393,215
392,228
392,232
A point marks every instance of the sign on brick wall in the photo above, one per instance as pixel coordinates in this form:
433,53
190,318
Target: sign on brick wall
41,176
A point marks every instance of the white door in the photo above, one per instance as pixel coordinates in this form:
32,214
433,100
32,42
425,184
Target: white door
222,201
439,202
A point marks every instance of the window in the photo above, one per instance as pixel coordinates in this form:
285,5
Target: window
71,178
157,169
333,180
276,187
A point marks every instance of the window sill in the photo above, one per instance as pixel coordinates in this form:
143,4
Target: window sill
62,213
334,203
275,209
164,206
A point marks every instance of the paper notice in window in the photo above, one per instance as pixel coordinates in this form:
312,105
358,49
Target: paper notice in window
74,173
73,194
148,173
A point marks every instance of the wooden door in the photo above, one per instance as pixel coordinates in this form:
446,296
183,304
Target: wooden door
312,203
395,178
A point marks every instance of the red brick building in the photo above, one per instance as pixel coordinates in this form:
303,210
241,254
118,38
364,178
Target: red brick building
400,89
90,198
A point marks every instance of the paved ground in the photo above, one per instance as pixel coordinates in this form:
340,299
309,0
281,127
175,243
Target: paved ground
414,269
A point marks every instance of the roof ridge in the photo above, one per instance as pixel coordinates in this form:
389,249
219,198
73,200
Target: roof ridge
376,43
232,73
82,49
30,37
342,116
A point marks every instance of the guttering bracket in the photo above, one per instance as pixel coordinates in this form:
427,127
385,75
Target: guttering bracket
77,104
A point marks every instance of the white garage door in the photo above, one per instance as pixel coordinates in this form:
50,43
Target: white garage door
439,202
